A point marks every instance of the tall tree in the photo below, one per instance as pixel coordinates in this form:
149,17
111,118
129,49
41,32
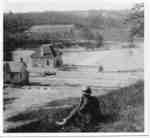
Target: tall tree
135,20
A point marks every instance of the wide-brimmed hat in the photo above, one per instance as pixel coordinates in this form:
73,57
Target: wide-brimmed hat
86,90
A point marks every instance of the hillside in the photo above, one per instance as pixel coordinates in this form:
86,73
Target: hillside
101,20
92,24
93,18
122,110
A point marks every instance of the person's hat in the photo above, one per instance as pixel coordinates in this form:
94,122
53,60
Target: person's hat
86,90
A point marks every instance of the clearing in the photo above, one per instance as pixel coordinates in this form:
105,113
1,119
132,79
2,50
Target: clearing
122,68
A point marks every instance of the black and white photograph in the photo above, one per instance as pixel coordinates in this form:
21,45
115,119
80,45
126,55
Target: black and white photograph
73,66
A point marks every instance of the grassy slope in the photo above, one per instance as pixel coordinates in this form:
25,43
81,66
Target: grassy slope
122,111
127,104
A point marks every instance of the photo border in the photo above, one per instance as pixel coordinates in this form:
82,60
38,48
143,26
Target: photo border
89,134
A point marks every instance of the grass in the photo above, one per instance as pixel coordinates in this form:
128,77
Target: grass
8,101
122,110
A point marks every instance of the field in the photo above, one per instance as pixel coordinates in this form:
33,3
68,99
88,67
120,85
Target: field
47,96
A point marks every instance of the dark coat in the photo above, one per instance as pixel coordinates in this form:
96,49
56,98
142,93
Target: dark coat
90,105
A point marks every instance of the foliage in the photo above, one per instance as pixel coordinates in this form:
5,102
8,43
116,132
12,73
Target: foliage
136,21
15,24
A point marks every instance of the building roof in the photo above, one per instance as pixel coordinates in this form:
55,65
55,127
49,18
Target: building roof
14,67
47,53
50,28
46,49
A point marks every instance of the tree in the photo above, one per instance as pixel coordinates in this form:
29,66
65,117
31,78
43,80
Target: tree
14,26
135,20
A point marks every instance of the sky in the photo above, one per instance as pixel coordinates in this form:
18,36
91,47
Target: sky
66,5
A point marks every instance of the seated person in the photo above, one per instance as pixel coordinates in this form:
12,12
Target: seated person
88,109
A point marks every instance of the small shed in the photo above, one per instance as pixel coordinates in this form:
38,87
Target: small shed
46,56
42,57
16,73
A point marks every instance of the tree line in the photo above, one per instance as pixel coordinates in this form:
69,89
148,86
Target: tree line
16,23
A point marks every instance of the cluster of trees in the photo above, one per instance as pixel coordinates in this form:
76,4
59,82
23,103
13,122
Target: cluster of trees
136,21
15,24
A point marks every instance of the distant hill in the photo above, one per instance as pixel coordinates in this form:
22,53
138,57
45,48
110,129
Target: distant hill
91,18
109,24
61,32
